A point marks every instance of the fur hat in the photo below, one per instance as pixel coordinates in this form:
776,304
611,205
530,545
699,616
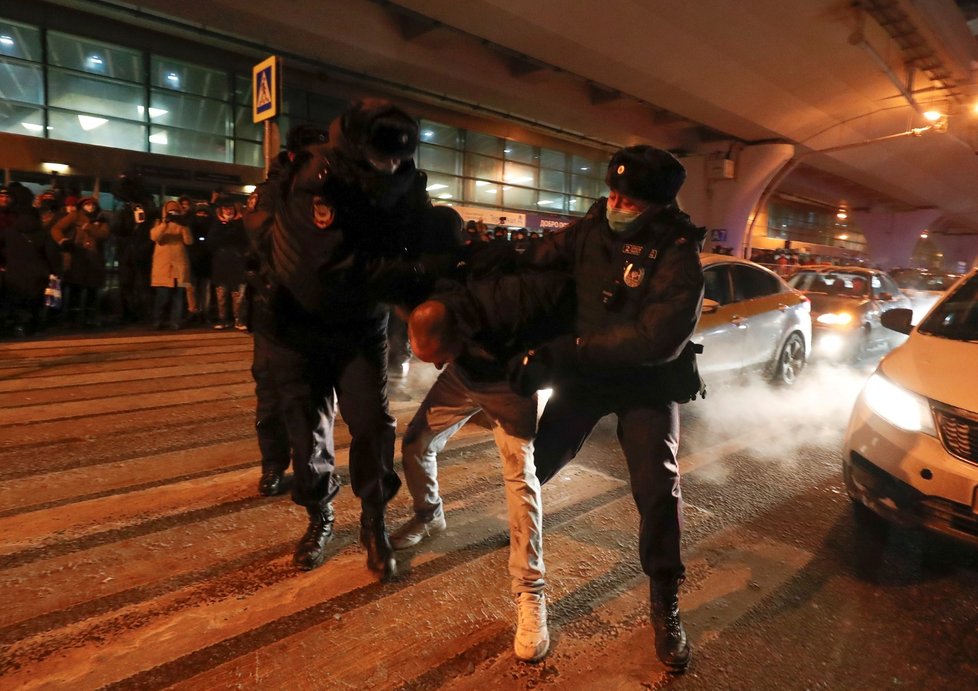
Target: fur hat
646,173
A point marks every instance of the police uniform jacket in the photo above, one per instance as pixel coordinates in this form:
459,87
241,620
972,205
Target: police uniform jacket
337,252
638,299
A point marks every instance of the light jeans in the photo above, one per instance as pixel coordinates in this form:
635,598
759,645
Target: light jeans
449,404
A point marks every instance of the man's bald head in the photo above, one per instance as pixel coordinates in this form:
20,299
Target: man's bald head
433,332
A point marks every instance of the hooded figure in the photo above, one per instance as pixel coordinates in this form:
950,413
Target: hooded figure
80,235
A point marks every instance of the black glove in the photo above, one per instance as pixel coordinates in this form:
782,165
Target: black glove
541,367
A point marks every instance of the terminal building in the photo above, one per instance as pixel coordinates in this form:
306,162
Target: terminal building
521,107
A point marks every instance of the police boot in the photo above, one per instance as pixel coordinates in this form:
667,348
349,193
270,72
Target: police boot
671,644
374,538
270,483
311,550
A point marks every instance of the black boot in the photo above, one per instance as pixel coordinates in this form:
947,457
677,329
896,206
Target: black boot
374,538
311,550
671,644
270,483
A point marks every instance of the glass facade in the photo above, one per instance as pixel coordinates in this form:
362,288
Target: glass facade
803,223
474,168
80,89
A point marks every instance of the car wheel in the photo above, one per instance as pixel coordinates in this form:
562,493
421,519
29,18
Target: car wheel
790,362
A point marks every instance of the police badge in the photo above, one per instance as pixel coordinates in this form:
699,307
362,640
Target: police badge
322,213
634,275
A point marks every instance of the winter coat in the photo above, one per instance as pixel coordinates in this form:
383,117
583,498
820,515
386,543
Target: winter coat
31,255
228,245
501,316
170,262
80,238
638,299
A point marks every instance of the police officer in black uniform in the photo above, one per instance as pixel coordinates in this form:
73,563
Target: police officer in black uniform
639,284
351,222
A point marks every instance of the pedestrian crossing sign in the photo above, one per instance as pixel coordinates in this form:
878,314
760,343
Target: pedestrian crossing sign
264,90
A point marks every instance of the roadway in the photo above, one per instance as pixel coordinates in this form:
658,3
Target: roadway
136,553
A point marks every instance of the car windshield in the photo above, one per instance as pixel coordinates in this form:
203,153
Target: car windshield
912,280
956,316
836,283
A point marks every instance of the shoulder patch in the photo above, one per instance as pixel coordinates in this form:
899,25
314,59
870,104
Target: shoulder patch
633,250
322,213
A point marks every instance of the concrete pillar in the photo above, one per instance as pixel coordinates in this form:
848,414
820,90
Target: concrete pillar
957,249
726,204
891,237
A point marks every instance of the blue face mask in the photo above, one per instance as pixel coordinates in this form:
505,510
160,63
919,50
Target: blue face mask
619,220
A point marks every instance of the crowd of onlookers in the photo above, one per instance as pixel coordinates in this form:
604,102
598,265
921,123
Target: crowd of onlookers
66,262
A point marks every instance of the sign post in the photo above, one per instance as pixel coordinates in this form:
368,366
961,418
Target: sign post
265,97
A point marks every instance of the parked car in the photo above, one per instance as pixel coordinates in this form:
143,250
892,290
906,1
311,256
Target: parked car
751,321
923,287
847,303
911,449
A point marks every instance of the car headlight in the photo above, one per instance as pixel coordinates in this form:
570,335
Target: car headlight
899,407
835,318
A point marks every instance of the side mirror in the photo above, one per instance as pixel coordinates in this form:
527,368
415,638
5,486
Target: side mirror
709,306
897,319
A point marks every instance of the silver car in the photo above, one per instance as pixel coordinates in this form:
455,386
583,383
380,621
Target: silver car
847,303
751,321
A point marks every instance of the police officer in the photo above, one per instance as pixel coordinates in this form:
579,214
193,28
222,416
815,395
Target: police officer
639,284
273,438
351,217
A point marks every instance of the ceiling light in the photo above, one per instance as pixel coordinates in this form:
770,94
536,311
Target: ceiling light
55,167
481,183
545,202
436,186
94,60
490,190
585,168
428,134
32,127
507,151
90,122
933,115
172,77
153,112
444,196
159,138
6,40
842,215
843,237
248,189
923,236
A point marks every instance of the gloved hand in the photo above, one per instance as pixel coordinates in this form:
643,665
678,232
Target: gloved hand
541,367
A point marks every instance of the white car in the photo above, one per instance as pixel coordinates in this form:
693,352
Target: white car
751,321
911,450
